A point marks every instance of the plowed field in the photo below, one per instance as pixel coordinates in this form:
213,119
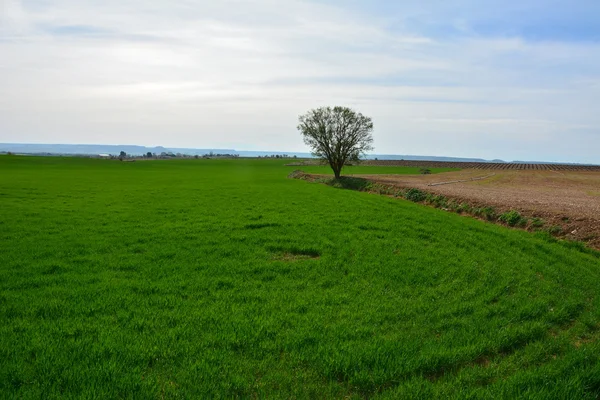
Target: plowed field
484,165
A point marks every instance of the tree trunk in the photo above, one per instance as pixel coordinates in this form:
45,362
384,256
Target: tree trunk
337,170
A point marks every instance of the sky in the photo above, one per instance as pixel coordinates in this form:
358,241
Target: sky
513,80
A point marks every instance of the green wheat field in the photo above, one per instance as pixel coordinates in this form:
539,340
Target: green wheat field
225,279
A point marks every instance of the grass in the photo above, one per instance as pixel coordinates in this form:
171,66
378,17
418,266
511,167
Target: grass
222,278
366,169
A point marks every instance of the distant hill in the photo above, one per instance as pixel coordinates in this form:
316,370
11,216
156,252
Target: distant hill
95,149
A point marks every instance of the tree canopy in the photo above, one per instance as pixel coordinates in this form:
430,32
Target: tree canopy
336,135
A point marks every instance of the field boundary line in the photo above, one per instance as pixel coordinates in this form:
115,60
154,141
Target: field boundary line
556,225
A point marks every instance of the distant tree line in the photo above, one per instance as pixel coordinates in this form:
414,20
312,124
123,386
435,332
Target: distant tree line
278,156
219,155
166,155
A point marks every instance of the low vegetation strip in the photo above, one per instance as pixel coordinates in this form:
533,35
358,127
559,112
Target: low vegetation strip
566,201
223,279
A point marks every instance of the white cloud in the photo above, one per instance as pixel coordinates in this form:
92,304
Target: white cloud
210,74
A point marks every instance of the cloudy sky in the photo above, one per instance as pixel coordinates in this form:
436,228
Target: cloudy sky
510,79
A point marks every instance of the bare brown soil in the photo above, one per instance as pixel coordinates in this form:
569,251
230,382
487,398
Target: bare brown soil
569,199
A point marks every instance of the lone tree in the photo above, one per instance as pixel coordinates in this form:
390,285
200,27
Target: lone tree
337,135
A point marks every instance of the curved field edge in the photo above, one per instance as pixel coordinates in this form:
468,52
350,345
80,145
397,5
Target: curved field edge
222,278
526,219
